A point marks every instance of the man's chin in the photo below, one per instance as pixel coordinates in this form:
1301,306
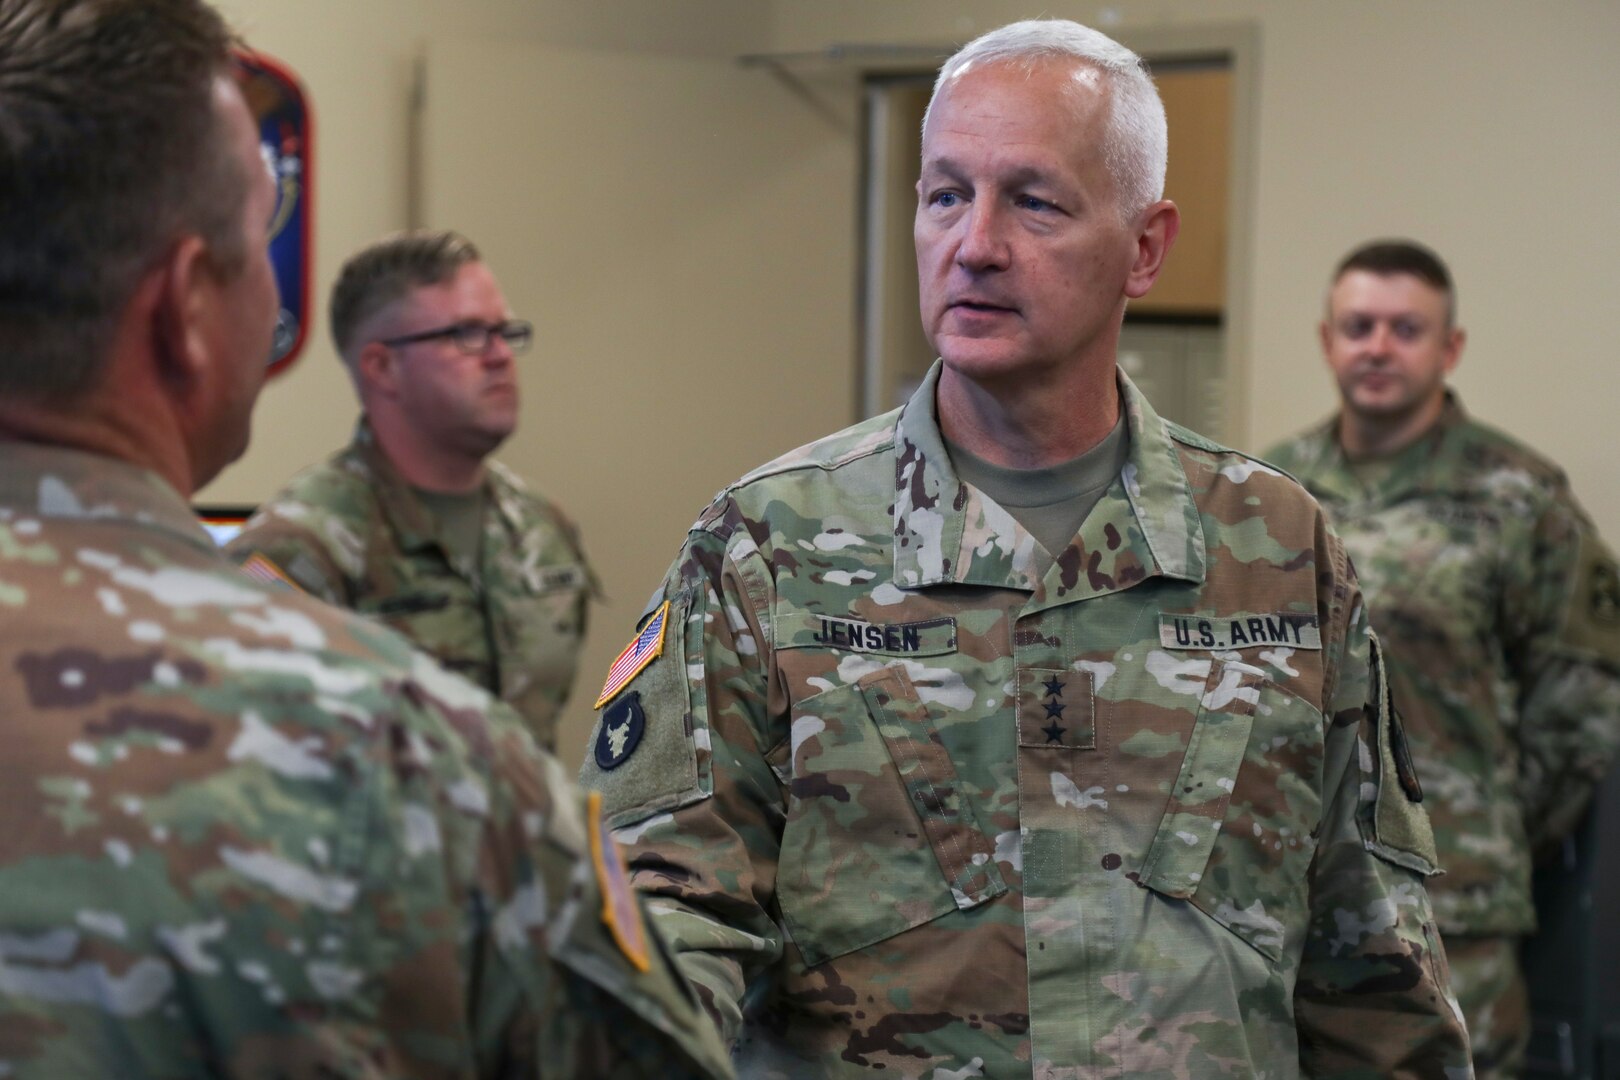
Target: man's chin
493,435
983,360
1379,406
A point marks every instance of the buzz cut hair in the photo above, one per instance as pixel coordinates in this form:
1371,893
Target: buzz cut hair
1388,257
386,271
111,149
1136,140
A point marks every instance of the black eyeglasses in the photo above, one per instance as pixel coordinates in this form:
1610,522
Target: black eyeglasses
473,337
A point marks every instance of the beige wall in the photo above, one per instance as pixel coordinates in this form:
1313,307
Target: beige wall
694,308
1488,128
357,59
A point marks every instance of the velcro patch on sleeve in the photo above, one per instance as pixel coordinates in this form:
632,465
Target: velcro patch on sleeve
620,911
1280,629
1401,832
1592,620
261,568
644,648
643,754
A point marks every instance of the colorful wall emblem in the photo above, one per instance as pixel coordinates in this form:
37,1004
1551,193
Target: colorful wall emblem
277,99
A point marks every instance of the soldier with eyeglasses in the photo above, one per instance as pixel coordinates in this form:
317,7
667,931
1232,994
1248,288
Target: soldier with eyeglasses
413,523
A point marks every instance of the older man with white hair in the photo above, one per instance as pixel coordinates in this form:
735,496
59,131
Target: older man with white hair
1020,732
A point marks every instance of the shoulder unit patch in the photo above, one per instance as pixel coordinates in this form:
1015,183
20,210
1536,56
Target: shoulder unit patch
622,727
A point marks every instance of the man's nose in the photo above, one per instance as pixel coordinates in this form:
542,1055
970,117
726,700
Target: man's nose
984,243
498,353
1380,338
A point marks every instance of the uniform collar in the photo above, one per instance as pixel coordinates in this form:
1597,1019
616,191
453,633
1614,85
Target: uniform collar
409,519
1328,473
54,482
948,532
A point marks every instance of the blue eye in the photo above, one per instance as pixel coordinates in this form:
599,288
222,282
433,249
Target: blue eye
945,198
1030,202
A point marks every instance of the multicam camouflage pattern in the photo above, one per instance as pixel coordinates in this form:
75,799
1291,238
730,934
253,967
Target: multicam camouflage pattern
916,799
1501,610
249,835
1490,986
352,532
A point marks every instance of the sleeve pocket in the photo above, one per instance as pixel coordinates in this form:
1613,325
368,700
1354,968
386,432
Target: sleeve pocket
1397,828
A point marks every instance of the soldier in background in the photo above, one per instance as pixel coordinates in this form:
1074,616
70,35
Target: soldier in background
245,834
1498,602
412,524
1020,732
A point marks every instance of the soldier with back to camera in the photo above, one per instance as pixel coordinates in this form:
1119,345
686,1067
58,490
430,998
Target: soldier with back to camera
245,834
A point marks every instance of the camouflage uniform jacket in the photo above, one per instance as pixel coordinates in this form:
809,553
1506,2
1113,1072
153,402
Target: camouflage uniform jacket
352,532
914,797
249,835
1501,609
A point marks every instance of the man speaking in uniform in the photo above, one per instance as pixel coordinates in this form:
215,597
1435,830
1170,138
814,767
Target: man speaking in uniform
245,834
412,524
1499,604
1019,732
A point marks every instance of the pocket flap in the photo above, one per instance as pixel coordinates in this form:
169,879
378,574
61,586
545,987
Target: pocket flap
965,854
1192,820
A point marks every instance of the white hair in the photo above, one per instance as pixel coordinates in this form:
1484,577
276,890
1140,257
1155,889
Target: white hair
1136,141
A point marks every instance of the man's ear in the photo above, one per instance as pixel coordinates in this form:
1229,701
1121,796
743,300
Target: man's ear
1156,233
376,369
185,311
1456,338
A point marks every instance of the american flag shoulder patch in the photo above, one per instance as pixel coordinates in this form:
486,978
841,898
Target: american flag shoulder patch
260,568
643,650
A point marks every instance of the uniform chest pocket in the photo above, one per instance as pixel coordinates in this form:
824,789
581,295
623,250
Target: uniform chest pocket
1237,836
880,836
1435,562
540,631
430,614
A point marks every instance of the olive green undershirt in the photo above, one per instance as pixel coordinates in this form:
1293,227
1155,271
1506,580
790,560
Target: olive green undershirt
1051,503
459,517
